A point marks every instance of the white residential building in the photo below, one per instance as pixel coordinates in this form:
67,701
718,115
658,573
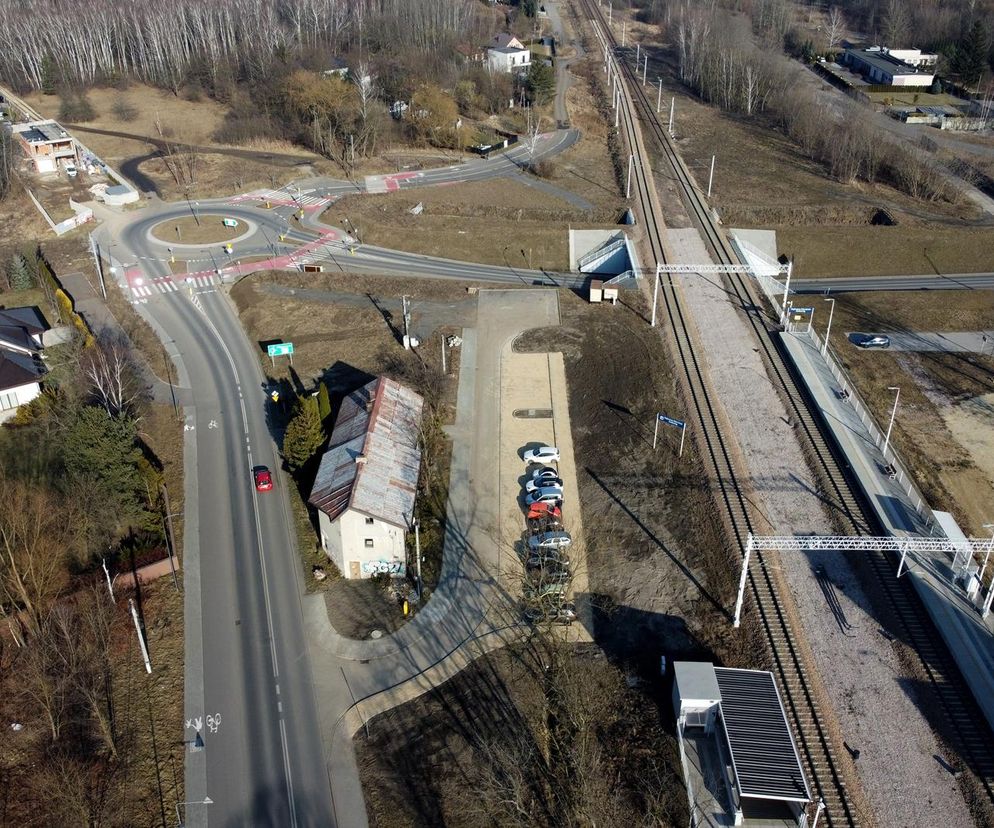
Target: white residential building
366,484
506,53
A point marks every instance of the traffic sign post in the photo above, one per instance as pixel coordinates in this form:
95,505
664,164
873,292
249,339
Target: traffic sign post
280,349
680,424
229,222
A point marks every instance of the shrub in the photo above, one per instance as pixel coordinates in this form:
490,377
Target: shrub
125,111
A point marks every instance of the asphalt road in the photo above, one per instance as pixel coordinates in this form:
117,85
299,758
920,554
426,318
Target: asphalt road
848,284
253,730
248,683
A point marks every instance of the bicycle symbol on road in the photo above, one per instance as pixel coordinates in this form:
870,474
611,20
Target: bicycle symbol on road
197,723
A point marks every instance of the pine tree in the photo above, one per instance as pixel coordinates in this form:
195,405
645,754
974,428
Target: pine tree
970,56
48,75
304,434
324,403
19,273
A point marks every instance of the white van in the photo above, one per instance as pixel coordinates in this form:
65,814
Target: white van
71,170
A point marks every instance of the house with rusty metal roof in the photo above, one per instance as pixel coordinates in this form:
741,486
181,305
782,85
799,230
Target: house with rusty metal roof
366,484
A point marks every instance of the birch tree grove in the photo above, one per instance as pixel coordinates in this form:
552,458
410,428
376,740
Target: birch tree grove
157,42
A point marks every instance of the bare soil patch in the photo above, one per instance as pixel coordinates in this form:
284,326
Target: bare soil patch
937,389
203,230
501,222
885,251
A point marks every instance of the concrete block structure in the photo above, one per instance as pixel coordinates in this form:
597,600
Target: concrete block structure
892,67
46,144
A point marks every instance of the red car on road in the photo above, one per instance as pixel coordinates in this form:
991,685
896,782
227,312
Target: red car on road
263,479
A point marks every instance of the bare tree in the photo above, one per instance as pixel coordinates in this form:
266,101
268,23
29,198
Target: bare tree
36,536
113,377
835,25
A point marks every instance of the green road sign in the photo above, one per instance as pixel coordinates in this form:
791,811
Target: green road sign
281,349
230,222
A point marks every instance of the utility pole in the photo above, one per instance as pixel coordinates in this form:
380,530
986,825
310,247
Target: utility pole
645,68
659,96
624,24
417,549
742,582
141,635
407,332
110,583
893,414
628,185
828,331
672,105
172,537
711,177
655,297
444,371
638,49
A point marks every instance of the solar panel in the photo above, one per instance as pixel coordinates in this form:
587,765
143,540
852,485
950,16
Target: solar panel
764,757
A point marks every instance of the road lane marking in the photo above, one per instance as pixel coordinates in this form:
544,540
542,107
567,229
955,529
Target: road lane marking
262,566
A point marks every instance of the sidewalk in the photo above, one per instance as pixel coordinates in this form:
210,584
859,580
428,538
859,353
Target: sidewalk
970,638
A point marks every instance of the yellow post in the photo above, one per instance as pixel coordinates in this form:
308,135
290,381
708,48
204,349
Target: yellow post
406,607
269,206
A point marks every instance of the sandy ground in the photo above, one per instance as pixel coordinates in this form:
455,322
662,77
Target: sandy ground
876,710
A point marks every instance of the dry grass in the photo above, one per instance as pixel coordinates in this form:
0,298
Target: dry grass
489,222
880,250
20,220
323,335
202,230
914,98
932,384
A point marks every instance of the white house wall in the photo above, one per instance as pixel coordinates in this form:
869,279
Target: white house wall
12,398
345,542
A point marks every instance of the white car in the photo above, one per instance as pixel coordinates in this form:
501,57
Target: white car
544,483
550,540
71,170
547,495
542,454
546,471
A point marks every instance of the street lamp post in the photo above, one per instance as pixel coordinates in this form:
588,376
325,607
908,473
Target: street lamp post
893,414
828,330
179,819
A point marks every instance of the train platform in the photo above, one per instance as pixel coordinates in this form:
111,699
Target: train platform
902,513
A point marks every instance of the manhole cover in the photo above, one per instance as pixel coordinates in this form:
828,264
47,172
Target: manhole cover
534,413
376,634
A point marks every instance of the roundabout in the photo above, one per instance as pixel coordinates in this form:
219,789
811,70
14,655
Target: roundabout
196,231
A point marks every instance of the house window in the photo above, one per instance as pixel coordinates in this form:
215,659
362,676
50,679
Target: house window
8,401
369,521
369,543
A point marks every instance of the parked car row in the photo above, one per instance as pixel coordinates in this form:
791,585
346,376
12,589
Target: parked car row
548,573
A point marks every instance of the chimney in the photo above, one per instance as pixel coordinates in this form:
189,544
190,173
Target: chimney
360,459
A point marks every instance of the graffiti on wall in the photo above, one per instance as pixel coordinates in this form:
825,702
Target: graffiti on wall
383,567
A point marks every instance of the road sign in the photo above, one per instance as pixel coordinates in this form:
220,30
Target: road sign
801,310
275,396
280,349
229,222
680,424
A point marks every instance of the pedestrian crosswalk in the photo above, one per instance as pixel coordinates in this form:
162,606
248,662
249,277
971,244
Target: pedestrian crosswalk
144,288
284,198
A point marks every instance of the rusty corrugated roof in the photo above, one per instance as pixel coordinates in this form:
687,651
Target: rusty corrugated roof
377,422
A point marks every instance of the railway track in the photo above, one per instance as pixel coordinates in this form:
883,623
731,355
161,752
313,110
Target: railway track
966,727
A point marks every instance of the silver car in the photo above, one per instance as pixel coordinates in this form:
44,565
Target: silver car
550,540
546,495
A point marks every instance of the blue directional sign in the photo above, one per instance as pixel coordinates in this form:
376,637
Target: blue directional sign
801,310
670,421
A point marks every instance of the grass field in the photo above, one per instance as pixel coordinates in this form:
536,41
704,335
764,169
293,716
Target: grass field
881,250
202,230
501,222
953,471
